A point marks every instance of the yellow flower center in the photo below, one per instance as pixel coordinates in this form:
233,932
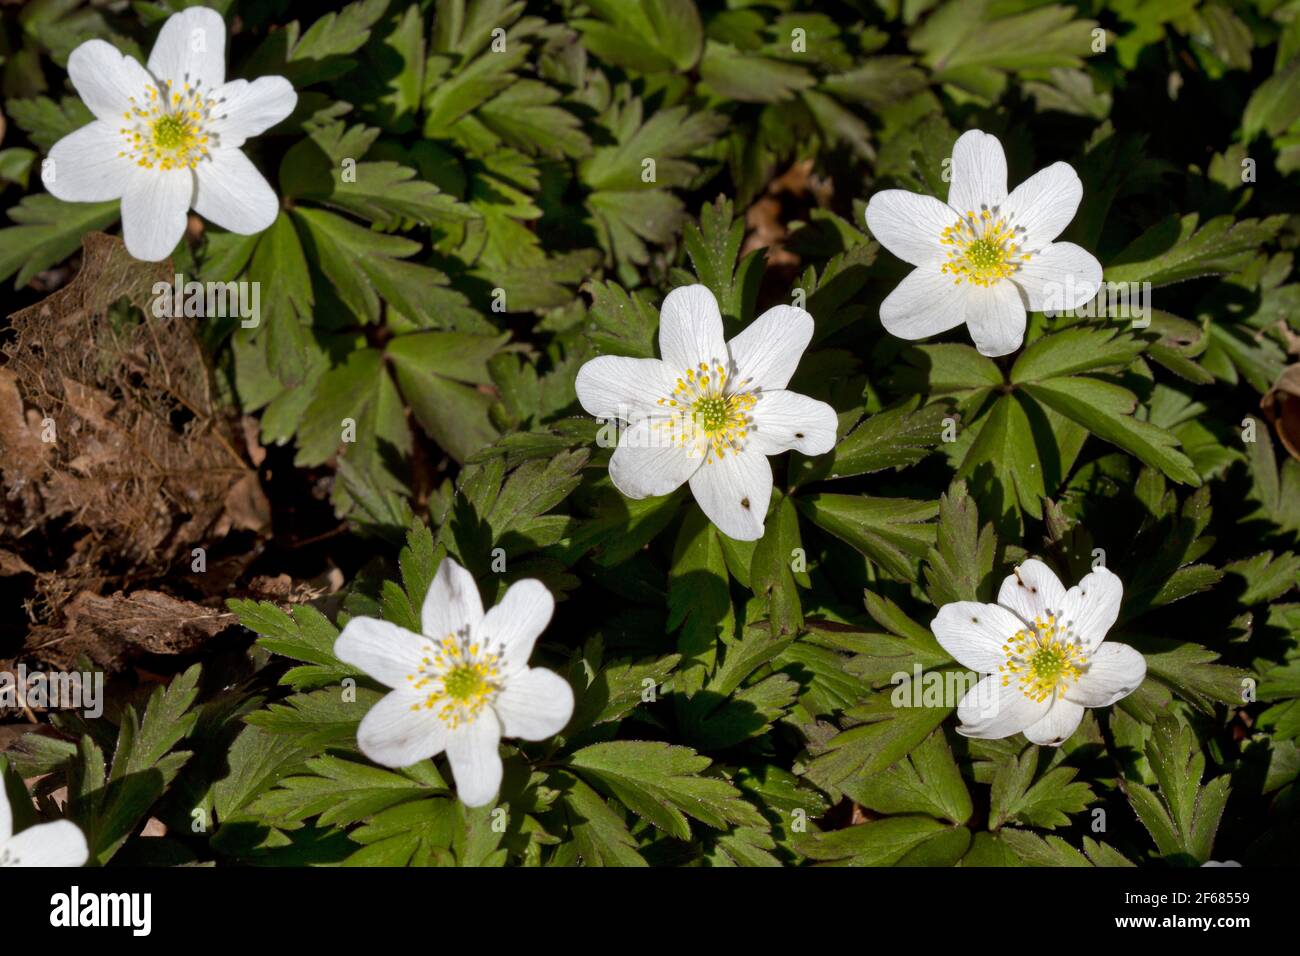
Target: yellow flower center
459,677
710,413
983,248
1044,659
168,129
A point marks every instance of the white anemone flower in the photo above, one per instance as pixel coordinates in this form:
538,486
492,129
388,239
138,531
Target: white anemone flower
60,843
1042,649
984,257
167,138
711,411
461,685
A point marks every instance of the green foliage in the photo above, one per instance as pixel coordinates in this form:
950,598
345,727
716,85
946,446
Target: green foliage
478,196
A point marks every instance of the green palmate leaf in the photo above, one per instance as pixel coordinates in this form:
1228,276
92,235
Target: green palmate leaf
1276,490
327,717
366,267
629,205
254,762
46,121
440,374
893,723
387,194
47,231
890,439
600,837
713,247
662,784
724,713
1006,446
698,601
1020,794
610,691
648,36
622,324
405,85
1075,350
355,407
279,266
325,168
341,792
748,78
321,52
894,532
771,568
1189,670
414,833
879,82
1275,104
926,781
306,636
109,806
879,843
525,116
1176,249
667,137
1184,819
744,846
628,220
949,369
960,566
418,561
1105,409
971,47
1049,850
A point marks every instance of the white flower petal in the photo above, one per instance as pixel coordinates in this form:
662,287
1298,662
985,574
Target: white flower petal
734,493
766,353
60,843
233,194
979,172
388,653
784,420
1044,204
909,224
516,622
1091,606
925,303
1055,728
646,463
615,387
991,711
155,211
475,758
974,633
6,815
452,602
251,108
534,705
398,731
1060,277
1032,591
191,47
996,318
690,329
85,166
106,79
1114,671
